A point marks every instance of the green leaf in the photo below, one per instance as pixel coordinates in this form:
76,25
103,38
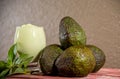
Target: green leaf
24,59
10,71
22,55
4,73
17,62
2,65
11,54
27,61
19,70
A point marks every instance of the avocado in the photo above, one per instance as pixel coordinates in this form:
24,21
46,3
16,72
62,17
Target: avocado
99,57
71,33
48,57
75,61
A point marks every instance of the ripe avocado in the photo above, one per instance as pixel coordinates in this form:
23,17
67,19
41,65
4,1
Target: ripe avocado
48,57
75,61
71,33
99,57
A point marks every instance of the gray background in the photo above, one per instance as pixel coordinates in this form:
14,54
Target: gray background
99,18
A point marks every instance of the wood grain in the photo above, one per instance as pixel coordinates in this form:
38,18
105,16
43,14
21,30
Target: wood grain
102,74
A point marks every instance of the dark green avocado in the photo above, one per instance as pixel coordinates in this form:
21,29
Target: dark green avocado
48,57
75,61
71,33
99,57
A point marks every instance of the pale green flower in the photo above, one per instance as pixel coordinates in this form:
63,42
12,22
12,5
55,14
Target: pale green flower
30,39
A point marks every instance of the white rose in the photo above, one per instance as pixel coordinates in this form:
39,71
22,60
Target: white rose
30,39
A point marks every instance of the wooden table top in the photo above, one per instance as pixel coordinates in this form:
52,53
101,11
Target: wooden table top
104,73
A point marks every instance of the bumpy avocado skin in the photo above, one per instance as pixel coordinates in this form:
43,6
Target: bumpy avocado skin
99,57
71,33
75,61
48,57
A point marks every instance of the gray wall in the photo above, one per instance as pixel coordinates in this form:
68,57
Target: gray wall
99,18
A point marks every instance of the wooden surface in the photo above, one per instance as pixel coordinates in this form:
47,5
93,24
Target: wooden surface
101,74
